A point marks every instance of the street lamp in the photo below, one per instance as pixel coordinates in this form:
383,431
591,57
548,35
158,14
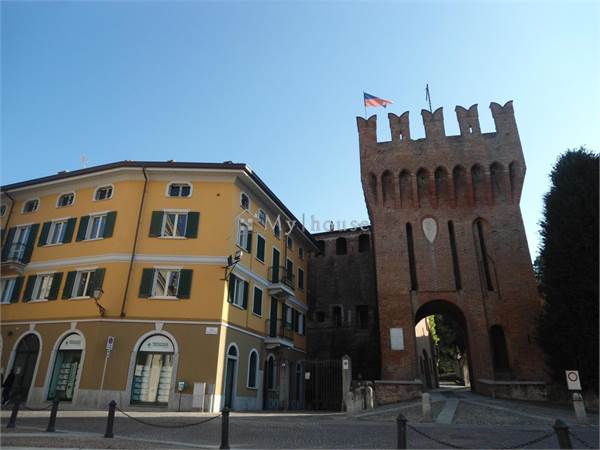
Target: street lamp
96,294
232,261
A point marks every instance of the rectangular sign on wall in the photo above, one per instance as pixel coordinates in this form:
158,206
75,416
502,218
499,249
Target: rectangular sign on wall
397,338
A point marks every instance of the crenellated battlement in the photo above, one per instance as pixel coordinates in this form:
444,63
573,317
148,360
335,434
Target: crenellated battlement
468,121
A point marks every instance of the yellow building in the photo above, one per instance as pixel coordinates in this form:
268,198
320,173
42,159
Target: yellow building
193,273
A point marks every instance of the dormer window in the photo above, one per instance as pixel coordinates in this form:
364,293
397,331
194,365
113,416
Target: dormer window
180,190
245,201
65,200
31,206
103,193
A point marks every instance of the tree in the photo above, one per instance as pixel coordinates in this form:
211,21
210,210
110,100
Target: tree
568,268
449,340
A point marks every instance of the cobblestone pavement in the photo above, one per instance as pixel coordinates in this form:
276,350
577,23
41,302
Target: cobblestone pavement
479,422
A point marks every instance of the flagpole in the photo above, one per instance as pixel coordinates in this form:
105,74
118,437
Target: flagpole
365,105
428,97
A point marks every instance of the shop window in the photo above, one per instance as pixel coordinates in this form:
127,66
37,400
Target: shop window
153,371
66,365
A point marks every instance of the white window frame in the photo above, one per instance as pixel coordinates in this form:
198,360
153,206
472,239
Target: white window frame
262,303
262,261
242,236
61,195
258,217
36,293
170,271
37,206
273,374
104,186
20,229
88,231
256,369
238,292
242,194
52,229
164,223
7,281
77,281
168,193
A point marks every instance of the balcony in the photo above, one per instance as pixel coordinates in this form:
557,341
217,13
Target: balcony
278,333
282,282
14,258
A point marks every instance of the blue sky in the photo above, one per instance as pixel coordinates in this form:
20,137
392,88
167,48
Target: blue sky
278,85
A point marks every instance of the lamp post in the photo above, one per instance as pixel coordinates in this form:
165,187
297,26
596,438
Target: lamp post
96,294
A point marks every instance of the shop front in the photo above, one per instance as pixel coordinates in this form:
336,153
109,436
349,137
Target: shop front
66,366
153,371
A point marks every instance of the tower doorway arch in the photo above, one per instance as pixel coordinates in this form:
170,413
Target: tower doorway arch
442,341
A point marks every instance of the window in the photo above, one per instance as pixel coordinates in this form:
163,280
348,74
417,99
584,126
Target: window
336,316
277,231
257,301
301,324
271,372
95,229
289,270
362,316
82,286
290,243
103,193
244,236
364,244
238,291
455,266
300,278
8,286
340,246
179,190
300,253
30,206
2,210
166,283
56,233
262,217
321,245
245,201
289,320
252,368
65,200
320,316
260,248
412,265
174,224
41,287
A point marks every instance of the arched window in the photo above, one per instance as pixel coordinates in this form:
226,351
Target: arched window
271,372
104,192
441,186
499,350
373,185
340,246
364,243
498,182
387,188
231,375
151,383
478,182
423,191
252,368
24,365
406,192
65,199
66,366
244,201
461,191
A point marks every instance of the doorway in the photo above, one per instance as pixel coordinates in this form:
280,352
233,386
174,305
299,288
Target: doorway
24,366
230,376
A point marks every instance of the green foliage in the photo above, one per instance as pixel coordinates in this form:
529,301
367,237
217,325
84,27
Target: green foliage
568,268
449,341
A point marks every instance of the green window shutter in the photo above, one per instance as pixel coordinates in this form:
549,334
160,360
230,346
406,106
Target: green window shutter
29,288
191,230
83,223
30,241
245,298
156,223
146,284
300,278
56,279
97,279
294,320
68,289
16,293
185,283
68,237
109,226
44,234
249,243
231,289
303,324
260,247
284,308
257,302
9,238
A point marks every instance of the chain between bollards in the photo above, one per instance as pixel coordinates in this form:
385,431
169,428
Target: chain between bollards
401,424
562,434
225,428
13,415
110,421
52,421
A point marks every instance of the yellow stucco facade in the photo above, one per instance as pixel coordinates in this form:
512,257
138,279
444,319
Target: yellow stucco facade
138,252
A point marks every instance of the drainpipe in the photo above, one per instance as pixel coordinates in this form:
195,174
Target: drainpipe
135,240
12,204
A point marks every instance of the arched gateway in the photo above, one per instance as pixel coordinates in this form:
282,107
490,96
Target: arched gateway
448,237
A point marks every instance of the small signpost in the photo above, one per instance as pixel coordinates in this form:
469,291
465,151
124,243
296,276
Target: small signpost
110,343
573,382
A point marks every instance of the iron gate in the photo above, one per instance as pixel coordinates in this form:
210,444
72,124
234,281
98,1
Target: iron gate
323,384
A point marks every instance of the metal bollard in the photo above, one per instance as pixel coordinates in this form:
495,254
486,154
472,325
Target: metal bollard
225,428
52,421
13,415
401,424
562,434
111,419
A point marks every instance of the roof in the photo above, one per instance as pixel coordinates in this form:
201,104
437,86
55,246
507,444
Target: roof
364,229
163,165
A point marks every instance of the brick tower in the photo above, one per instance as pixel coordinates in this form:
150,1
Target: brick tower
449,238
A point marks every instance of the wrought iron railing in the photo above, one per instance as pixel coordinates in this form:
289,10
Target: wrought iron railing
280,329
279,274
